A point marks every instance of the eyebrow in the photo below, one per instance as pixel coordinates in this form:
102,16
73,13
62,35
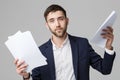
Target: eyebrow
57,17
50,19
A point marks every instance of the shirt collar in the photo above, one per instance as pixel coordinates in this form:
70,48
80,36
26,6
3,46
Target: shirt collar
65,42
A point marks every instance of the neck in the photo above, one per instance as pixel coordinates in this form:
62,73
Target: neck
58,41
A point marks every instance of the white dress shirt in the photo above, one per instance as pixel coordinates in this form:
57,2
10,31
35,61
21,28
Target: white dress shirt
63,61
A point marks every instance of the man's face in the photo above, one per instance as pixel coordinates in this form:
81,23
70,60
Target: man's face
57,23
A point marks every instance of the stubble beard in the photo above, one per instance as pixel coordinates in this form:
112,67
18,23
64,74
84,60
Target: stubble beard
60,33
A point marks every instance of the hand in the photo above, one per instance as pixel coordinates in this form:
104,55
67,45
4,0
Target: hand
108,34
21,67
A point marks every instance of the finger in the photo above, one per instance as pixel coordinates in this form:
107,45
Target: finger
107,36
110,28
23,66
107,31
15,61
21,71
19,63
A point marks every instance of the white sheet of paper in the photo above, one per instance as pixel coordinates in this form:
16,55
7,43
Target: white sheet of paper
97,39
23,47
15,35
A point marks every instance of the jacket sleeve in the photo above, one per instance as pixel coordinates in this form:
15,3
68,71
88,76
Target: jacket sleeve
103,65
36,74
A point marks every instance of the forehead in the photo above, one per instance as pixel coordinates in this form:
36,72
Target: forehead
55,14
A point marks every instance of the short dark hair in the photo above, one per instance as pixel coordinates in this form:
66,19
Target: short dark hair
53,8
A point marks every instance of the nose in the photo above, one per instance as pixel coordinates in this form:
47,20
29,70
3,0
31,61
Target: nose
57,23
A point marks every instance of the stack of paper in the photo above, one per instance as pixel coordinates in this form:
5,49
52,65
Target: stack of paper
97,39
23,47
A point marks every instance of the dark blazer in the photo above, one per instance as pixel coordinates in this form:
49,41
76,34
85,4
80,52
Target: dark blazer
83,57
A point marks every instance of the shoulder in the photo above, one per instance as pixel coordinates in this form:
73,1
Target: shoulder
79,40
76,38
45,45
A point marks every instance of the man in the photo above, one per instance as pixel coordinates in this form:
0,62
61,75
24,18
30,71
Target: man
68,57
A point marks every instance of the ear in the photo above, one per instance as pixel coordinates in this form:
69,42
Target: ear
67,19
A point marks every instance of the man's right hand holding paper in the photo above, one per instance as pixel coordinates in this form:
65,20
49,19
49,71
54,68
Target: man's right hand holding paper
21,67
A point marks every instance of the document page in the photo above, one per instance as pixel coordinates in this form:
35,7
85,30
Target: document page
23,46
97,39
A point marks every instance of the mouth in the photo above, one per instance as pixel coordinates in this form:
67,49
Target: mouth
58,29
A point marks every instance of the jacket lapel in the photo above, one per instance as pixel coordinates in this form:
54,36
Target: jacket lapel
74,49
50,59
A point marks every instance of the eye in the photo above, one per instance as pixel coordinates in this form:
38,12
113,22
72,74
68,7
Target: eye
61,18
51,20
